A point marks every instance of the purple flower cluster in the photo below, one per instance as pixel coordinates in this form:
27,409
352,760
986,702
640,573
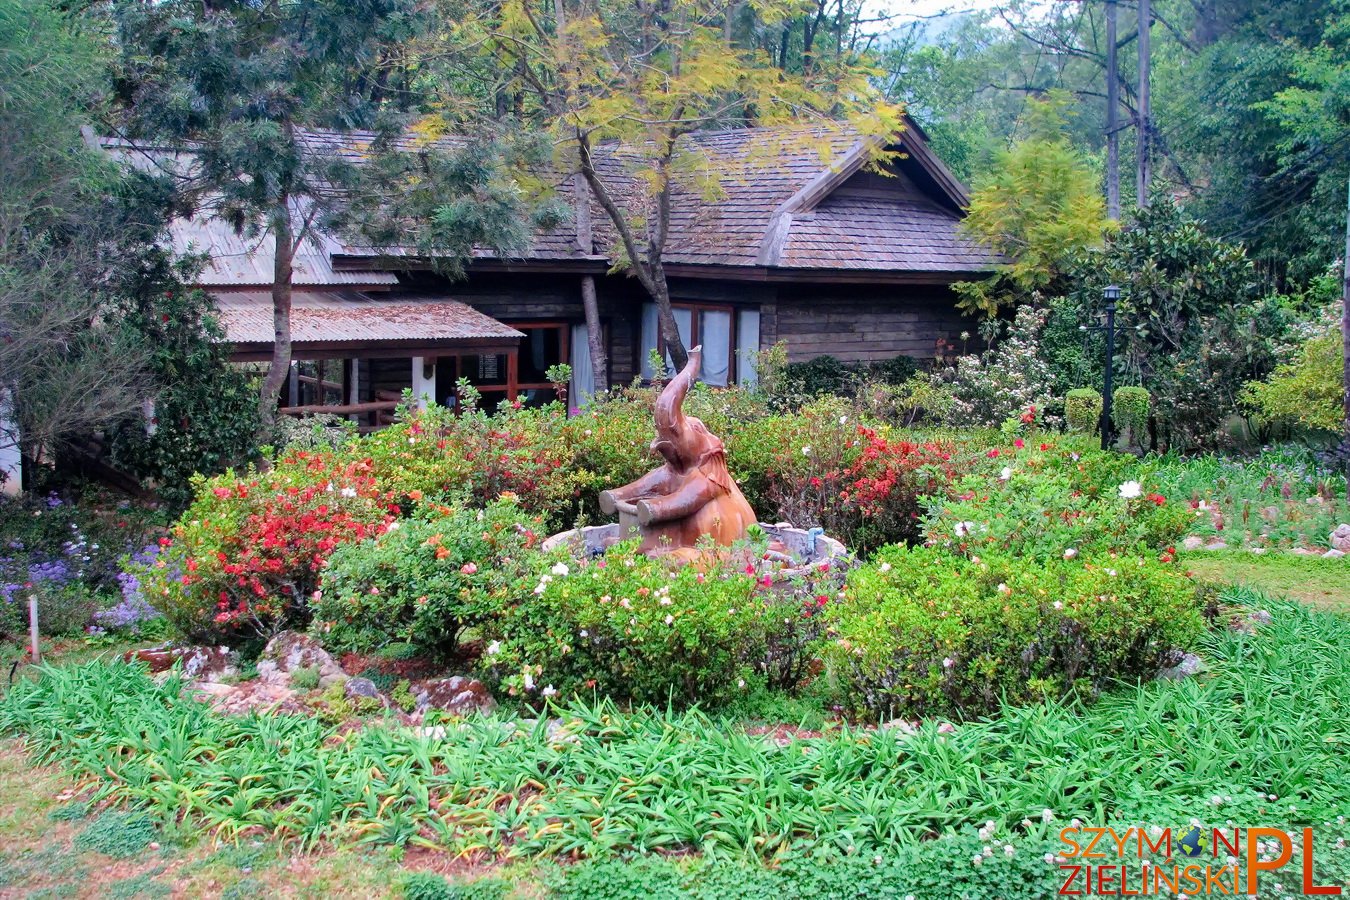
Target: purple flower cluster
133,610
21,575
131,613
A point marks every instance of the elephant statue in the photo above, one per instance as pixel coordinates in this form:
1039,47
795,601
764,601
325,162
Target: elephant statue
692,493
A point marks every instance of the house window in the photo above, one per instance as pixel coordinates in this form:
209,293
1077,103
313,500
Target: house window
730,338
510,375
546,344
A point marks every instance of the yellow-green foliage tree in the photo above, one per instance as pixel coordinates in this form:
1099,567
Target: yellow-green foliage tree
1306,392
642,76
1038,206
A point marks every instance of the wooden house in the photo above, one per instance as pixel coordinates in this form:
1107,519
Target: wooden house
777,238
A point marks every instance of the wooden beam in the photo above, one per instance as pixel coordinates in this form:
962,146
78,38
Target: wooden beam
343,409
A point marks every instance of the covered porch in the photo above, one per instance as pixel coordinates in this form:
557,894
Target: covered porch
354,355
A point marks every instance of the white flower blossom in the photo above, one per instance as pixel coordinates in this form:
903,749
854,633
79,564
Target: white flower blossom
494,648
1070,553
670,620
560,569
1005,474
884,567
806,451
349,492
1130,489
549,691
529,681
1059,604
1047,815
947,662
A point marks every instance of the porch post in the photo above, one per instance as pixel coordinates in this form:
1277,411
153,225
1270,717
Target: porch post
424,380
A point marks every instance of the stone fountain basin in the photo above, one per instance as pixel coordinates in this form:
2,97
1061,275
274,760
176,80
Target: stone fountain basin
803,550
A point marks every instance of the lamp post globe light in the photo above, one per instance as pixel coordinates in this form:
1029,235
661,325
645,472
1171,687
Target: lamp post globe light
1111,293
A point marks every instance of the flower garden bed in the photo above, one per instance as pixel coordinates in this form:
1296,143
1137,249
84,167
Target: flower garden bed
999,590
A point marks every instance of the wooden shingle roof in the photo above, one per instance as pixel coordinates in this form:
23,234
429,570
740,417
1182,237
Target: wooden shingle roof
791,198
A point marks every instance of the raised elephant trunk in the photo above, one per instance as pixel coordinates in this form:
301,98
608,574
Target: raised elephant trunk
676,440
669,411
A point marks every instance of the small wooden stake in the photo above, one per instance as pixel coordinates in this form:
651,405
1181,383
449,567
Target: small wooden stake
33,627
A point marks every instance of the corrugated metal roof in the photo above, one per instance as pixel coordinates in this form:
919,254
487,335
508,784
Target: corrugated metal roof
324,316
240,260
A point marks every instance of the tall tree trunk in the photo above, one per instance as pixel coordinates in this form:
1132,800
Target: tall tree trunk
670,329
646,266
595,337
1345,327
283,232
1144,133
590,305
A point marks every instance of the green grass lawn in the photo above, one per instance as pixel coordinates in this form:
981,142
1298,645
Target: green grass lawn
292,808
1260,738
1324,583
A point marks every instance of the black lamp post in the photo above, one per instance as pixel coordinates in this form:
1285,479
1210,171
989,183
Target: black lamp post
1111,293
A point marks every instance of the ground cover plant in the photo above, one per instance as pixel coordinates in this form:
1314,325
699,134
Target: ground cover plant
1157,752
1281,498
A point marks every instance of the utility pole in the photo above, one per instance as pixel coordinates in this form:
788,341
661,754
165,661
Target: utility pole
1144,136
1112,117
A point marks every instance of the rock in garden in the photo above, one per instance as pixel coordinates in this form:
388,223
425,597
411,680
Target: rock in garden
1333,553
250,696
1194,542
1340,538
1216,545
290,651
457,695
1189,666
363,688
199,663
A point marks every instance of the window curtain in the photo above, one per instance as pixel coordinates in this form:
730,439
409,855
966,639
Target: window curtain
684,321
747,346
650,330
715,326
583,376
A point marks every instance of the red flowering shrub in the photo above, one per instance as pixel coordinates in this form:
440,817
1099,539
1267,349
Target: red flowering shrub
247,554
438,454
857,480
